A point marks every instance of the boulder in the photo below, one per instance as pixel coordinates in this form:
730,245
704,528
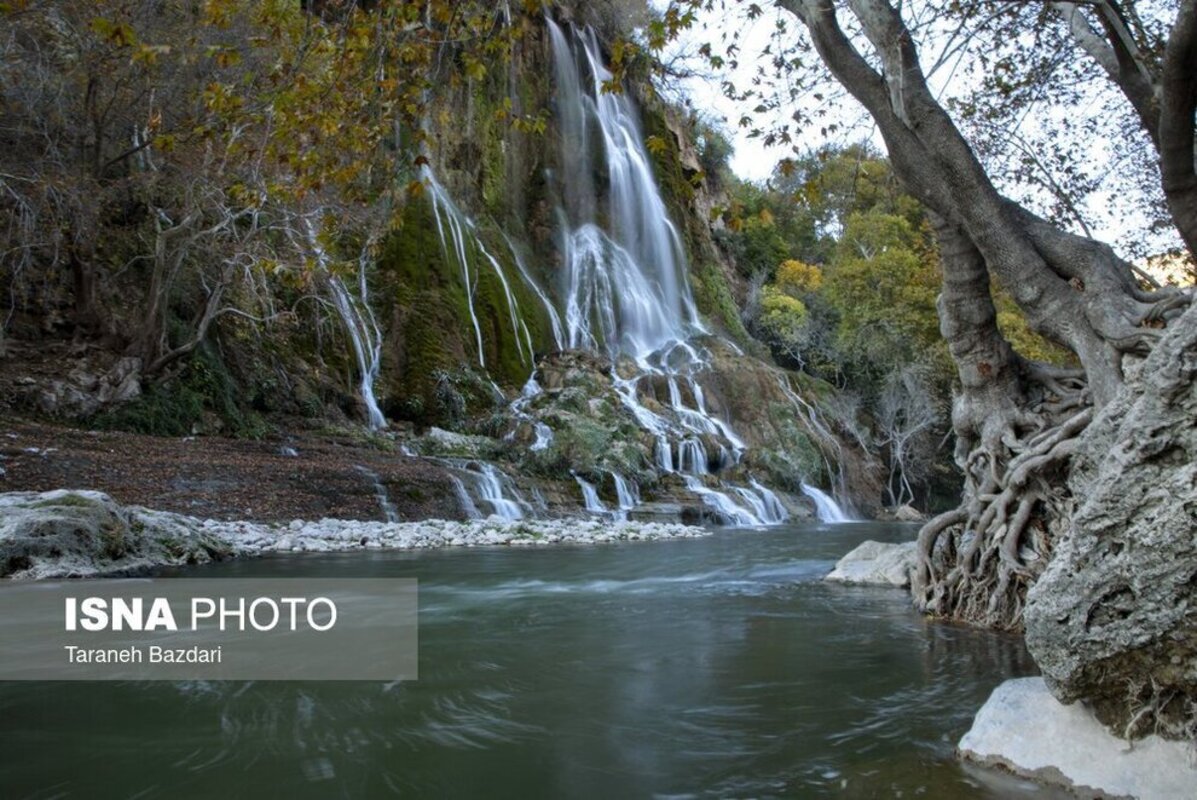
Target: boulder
1113,618
83,533
1024,729
440,442
877,563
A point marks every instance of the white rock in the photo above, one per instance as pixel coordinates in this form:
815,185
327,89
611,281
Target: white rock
877,563
1026,730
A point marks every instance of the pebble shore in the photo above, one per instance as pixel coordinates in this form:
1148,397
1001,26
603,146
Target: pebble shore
87,533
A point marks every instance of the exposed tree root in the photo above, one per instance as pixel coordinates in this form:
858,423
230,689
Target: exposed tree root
977,561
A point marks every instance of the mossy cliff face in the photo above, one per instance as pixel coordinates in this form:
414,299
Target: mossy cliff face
500,176
505,183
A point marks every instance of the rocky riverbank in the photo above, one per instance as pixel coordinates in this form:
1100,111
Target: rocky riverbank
76,534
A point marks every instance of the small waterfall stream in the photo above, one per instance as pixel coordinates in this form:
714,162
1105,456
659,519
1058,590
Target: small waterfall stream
364,334
627,492
590,497
826,507
453,226
389,512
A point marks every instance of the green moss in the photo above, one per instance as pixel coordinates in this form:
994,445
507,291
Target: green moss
424,293
66,501
177,407
112,540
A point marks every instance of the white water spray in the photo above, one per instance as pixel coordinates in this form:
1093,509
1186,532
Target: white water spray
825,506
590,497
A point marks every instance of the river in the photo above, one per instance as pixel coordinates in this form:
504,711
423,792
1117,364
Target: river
717,667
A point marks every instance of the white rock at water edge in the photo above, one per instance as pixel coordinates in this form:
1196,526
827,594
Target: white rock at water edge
877,563
1026,730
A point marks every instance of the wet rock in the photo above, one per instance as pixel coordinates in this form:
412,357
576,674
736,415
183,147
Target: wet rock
1024,729
1113,619
87,388
439,442
657,512
877,563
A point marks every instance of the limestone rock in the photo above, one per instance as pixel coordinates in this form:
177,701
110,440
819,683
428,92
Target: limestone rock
440,442
1024,729
81,533
877,563
1113,619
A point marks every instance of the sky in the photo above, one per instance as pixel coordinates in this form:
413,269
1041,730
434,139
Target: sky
1115,220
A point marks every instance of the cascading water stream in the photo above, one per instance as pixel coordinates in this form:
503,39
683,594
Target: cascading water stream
389,512
590,497
478,483
364,334
627,492
625,288
459,238
825,506
464,500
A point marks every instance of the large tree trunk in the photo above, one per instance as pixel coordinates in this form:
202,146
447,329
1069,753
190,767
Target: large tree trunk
1017,423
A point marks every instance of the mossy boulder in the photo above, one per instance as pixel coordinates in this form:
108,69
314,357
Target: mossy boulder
84,533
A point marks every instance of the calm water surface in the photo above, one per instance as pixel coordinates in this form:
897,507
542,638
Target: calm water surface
719,667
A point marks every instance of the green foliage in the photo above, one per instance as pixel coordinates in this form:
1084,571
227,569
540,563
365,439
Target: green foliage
883,281
783,318
204,391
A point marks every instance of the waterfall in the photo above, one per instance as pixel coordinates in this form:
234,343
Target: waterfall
826,507
550,309
490,488
544,437
724,506
459,238
366,339
625,288
464,500
389,512
773,506
590,495
691,457
628,494
544,434
358,319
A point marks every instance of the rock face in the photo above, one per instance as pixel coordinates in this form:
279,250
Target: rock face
1024,729
81,533
594,432
877,563
1113,619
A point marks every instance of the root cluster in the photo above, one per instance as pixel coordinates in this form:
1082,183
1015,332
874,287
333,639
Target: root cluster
977,561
